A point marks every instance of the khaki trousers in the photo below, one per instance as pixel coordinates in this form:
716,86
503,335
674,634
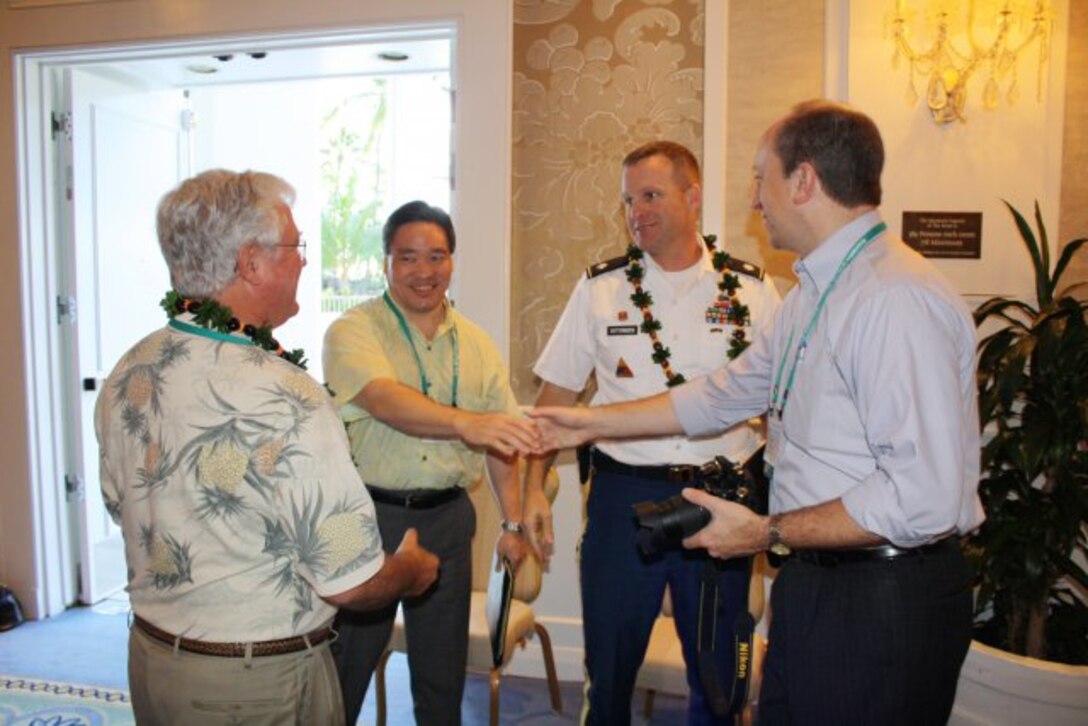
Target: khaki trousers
180,688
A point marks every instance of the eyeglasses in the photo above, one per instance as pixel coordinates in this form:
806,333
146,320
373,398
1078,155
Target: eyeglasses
300,248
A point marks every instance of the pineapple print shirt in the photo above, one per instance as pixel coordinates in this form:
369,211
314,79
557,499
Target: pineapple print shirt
367,343
228,470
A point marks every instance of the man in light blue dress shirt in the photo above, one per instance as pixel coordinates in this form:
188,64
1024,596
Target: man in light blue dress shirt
868,379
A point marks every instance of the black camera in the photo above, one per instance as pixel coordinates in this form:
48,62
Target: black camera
665,523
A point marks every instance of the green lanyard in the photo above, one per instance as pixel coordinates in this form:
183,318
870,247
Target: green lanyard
778,405
208,333
424,383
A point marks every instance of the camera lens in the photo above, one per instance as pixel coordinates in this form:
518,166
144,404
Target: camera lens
665,523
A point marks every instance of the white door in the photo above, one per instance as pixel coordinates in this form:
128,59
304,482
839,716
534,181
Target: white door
129,147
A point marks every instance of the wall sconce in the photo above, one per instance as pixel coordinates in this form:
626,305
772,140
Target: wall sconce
1014,26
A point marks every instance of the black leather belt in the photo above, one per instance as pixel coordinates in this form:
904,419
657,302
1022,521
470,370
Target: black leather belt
235,650
834,558
414,498
677,473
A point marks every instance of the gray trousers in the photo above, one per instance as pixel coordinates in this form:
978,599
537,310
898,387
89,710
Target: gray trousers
179,688
436,624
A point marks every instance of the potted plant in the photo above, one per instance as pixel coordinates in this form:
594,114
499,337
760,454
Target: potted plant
1029,555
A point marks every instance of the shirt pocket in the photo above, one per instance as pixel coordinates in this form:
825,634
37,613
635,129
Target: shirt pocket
623,350
713,341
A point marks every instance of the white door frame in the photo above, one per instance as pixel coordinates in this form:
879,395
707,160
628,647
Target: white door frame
481,264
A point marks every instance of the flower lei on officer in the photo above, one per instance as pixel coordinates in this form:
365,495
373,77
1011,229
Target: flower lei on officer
736,314
215,316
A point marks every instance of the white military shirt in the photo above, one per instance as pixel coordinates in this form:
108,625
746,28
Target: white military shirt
599,332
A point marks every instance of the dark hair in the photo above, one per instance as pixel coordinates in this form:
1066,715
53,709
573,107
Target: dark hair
684,164
417,211
842,144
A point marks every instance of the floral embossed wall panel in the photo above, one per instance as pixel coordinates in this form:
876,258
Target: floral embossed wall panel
592,80
1074,213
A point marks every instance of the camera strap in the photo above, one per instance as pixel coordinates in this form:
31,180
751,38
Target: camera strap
584,456
722,703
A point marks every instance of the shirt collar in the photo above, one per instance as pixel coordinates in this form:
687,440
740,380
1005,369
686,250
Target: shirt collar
448,319
705,263
820,265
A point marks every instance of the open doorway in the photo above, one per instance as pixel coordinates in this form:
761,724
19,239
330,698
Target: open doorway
357,124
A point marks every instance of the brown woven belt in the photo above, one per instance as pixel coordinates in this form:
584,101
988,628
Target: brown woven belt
236,650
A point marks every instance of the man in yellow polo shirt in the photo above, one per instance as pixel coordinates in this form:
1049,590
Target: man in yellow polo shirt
427,402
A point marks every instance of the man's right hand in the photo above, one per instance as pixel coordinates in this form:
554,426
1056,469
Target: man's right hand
421,563
508,435
564,427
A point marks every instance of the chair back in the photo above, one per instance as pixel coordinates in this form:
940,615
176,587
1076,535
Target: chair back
529,576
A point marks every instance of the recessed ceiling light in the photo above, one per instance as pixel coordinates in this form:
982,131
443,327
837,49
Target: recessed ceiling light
258,55
394,56
202,69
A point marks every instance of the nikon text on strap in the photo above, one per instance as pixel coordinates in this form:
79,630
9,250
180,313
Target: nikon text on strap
721,702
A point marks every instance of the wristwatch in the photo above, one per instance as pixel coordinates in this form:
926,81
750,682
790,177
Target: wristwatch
513,527
775,545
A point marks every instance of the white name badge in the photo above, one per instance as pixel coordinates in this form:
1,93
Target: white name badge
776,440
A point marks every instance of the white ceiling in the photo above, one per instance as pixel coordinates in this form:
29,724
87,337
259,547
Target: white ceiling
228,63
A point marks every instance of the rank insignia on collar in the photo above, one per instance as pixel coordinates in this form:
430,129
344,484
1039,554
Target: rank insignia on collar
623,370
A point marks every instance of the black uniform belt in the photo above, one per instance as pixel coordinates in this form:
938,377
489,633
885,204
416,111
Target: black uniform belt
236,650
414,498
678,473
834,558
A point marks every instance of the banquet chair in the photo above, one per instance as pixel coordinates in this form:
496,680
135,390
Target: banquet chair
521,625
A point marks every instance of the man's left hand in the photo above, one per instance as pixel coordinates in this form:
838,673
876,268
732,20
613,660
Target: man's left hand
733,531
511,546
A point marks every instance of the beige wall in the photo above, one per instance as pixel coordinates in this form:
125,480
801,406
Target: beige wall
776,58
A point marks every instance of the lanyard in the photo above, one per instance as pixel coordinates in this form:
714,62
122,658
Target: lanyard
424,383
207,333
778,404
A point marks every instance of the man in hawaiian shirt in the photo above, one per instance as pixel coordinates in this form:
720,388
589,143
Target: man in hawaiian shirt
228,470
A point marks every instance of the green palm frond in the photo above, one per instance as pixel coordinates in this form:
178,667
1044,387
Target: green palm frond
1068,251
1033,408
1040,257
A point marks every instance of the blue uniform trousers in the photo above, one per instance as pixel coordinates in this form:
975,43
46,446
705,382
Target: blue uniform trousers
622,591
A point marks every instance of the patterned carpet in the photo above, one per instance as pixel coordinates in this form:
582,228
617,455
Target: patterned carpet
40,702
89,645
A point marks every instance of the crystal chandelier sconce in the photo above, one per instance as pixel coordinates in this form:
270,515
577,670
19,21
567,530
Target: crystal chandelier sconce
1010,29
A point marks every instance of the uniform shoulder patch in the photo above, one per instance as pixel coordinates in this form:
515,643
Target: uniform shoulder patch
599,268
736,264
